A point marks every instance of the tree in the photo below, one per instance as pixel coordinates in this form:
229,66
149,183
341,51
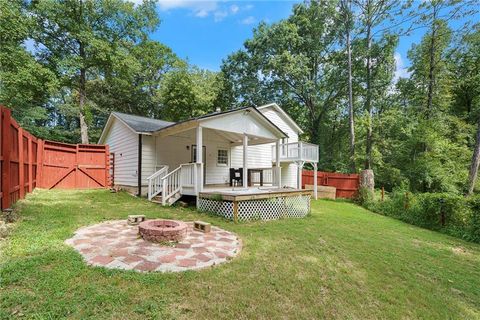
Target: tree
292,62
372,13
188,92
80,39
25,83
466,92
347,17
130,85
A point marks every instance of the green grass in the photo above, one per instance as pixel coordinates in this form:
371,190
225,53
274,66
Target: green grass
341,261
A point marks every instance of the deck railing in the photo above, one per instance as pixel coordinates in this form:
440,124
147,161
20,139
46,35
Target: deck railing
187,173
265,177
171,185
155,183
297,151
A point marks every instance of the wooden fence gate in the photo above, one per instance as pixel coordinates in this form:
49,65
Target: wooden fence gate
347,184
73,166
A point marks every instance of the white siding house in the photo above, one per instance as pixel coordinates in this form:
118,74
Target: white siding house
244,139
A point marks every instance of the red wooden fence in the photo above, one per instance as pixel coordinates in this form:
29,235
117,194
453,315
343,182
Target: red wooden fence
347,184
74,166
18,160
27,162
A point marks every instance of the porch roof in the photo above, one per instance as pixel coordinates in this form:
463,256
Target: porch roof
231,124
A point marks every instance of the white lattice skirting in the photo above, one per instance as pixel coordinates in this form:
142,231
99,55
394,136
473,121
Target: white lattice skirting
261,209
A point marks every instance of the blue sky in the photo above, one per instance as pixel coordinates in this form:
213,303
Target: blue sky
205,32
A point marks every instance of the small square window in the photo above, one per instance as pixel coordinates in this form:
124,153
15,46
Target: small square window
222,157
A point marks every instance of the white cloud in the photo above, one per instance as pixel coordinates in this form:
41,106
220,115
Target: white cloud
401,71
199,9
218,9
219,15
234,8
248,20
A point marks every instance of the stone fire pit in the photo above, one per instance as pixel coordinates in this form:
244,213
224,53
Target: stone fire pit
163,230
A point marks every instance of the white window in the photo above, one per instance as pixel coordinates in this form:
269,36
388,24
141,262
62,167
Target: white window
222,157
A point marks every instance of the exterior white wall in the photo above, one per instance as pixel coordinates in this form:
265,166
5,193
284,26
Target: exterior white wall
124,143
148,159
289,170
172,151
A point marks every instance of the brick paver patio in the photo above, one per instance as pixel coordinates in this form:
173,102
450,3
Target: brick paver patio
117,245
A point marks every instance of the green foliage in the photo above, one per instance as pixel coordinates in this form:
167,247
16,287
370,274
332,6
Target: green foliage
188,92
444,212
25,84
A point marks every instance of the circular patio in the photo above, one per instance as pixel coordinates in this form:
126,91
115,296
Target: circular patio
117,245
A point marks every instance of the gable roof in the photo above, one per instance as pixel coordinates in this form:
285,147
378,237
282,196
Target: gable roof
141,124
144,125
138,124
260,115
284,115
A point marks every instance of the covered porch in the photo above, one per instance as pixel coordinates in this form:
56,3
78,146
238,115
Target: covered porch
241,150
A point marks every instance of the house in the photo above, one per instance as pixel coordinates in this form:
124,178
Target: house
252,147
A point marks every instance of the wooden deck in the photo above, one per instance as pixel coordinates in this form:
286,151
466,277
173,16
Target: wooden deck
241,194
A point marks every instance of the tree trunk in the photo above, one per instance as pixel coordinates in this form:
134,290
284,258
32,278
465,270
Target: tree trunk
81,101
431,68
350,101
368,102
472,175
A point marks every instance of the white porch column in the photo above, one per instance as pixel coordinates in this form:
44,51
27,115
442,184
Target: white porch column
315,196
277,164
245,161
299,175
199,156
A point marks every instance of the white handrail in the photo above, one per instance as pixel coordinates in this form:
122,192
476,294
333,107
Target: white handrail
171,184
297,151
155,183
187,174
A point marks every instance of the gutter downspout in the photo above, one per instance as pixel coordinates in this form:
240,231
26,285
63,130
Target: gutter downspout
139,170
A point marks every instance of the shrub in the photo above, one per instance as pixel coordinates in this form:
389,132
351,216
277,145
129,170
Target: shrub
449,213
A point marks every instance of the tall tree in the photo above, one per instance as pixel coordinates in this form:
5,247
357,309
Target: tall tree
25,83
466,91
80,39
347,17
291,62
372,13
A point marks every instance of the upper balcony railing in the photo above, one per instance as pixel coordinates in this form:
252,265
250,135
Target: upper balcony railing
297,151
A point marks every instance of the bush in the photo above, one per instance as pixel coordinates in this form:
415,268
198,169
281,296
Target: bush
445,212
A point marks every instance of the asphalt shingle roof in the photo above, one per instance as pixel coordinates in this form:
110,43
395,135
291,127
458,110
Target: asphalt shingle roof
142,124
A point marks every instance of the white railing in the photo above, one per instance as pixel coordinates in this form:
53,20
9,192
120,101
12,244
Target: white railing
155,182
297,151
187,174
171,185
267,177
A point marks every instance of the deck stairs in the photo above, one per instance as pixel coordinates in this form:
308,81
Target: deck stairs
166,187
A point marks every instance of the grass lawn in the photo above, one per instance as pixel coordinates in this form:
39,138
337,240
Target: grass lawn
340,262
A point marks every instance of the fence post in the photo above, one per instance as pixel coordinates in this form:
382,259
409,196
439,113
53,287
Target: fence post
40,146
30,164
5,113
107,166
21,164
